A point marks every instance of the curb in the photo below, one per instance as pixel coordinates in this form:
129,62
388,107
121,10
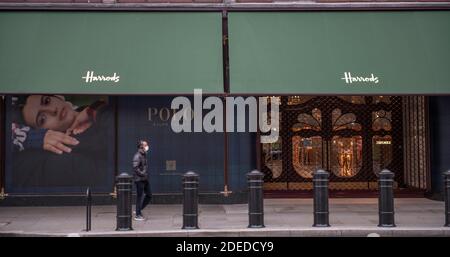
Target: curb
306,232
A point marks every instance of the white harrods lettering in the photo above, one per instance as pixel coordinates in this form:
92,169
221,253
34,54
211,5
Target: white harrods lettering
91,77
349,79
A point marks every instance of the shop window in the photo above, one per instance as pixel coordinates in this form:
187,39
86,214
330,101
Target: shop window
306,155
346,155
353,99
307,121
273,158
381,152
381,120
297,99
344,121
381,99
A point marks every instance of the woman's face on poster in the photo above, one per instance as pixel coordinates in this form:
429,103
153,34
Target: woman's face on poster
49,112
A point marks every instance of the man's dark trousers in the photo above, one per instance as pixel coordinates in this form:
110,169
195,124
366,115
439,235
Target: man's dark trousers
142,187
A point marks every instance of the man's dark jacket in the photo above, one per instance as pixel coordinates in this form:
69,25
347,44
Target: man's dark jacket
140,166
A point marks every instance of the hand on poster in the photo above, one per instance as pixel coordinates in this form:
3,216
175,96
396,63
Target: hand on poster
82,122
60,142
56,142
50,122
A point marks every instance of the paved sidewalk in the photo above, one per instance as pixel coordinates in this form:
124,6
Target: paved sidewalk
283,217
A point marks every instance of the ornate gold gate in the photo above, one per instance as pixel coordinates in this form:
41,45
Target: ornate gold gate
352,137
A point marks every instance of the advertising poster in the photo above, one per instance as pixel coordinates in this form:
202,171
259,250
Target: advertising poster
171,154
59,144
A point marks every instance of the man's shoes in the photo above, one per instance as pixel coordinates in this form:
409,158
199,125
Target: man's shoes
139,218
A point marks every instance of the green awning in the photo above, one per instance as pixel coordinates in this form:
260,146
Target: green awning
345,52
110,52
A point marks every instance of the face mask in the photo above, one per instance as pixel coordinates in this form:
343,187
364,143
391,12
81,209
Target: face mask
146,148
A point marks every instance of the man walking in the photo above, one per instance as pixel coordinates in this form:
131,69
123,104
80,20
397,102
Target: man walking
141,179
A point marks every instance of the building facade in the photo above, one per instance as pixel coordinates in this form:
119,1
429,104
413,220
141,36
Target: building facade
360,86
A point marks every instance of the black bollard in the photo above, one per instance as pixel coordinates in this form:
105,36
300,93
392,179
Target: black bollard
190,200
124,193
386,199
447,197
255,199
321,213
88,209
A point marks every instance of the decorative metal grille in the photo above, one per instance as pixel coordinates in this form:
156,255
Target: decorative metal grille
416,142
353,137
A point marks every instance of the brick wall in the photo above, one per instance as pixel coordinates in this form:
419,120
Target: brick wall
332,1
343,1
111,1
208,1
